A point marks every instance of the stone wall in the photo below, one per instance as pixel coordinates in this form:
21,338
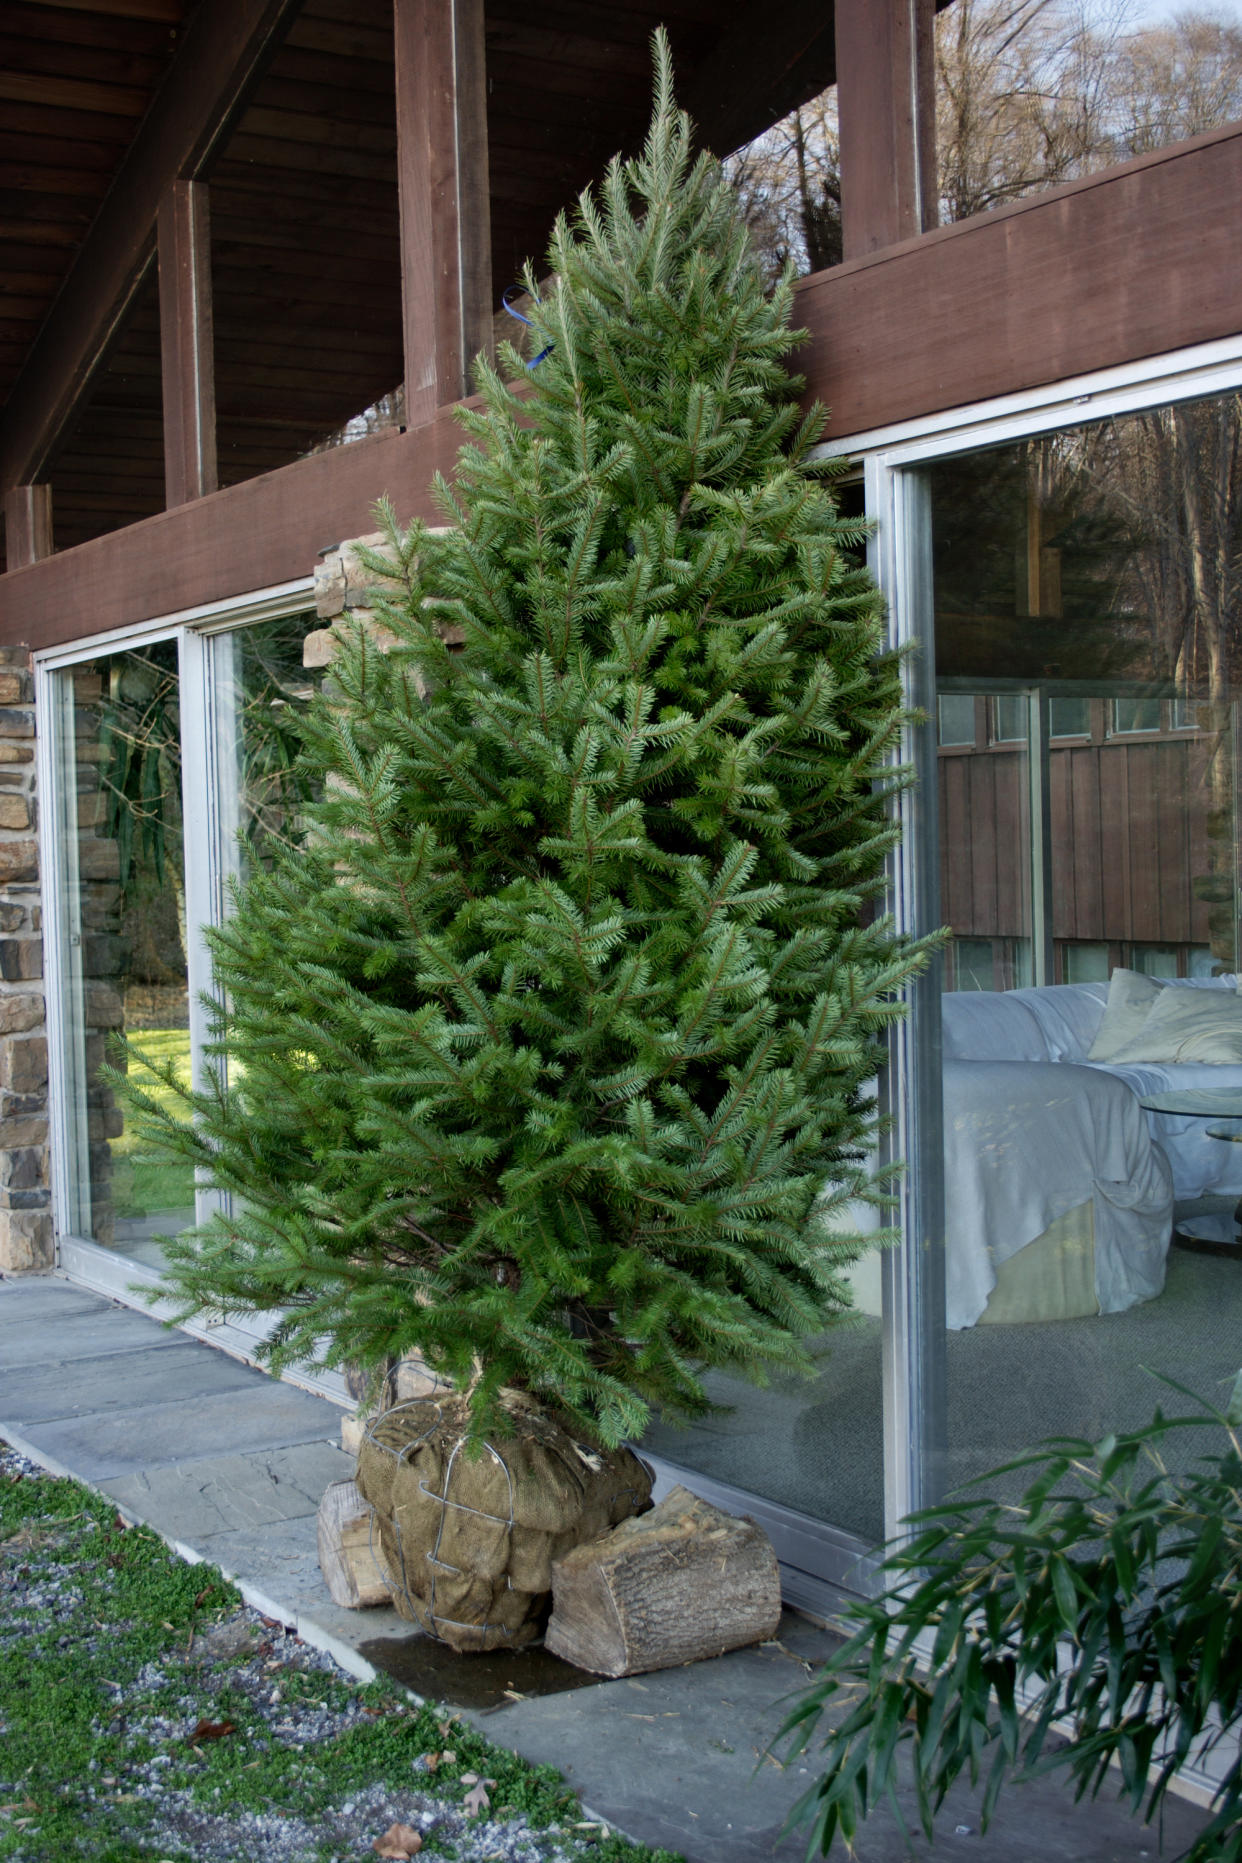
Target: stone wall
25,1200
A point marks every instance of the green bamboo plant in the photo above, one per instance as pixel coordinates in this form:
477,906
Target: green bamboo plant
1105,1604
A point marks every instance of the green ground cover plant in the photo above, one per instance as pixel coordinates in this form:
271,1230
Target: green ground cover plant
134,1725
1091,1626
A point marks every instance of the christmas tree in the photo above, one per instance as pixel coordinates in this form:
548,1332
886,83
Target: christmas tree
550,1049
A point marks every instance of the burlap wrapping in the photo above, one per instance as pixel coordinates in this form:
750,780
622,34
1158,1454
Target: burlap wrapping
469,1540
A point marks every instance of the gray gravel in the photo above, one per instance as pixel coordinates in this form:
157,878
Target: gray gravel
260,1656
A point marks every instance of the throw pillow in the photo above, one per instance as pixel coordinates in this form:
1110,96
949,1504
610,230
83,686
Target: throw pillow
1130,997
1189,1025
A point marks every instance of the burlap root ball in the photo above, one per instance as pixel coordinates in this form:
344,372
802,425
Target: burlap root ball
469,1539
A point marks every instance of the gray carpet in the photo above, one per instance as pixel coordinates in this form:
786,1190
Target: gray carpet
818,1447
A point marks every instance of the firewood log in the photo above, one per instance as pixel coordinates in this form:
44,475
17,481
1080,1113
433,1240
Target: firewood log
350,1556
671,1586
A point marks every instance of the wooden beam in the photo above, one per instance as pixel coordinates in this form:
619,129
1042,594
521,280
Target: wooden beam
221,54
966,312
442,170
186,350
27,525
1135,261
887,115
265,531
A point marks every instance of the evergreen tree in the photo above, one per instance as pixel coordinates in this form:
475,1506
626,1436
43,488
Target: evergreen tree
550,1050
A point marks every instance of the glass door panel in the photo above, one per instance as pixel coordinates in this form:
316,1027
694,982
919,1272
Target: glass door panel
122,935
259,690
1086,596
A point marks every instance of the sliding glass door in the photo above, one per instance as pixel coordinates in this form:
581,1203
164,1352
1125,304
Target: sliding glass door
170,764
1077,595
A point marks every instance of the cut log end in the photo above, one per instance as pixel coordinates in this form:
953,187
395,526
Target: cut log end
350,1555
672,1586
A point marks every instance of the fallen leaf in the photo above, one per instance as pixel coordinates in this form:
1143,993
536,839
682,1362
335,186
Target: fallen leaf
476,1799
212,1730
203,1595
399,1841
120,1524
515,1694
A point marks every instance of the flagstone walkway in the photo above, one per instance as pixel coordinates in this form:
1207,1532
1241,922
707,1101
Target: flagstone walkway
228,1466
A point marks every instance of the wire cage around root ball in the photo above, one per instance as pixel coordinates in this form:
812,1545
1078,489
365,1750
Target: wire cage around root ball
469,1535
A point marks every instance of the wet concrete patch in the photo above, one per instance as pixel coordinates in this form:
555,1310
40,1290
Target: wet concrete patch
488,1679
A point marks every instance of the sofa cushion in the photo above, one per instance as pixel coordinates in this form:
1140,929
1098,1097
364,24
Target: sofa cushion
1188,1025
1130,998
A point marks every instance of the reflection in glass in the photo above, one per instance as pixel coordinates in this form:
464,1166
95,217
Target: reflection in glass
1092,582
123,914
261,691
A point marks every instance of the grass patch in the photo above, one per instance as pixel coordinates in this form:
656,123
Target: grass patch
144,1186
144,1713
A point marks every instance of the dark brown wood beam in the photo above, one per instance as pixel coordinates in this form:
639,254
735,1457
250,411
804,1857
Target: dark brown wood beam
27,525
223,51
982,308
446,260
186,349
255,535
887,115
966,312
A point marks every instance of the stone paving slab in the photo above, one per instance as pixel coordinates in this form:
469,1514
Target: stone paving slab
679,1759
22,1301
194,1500
155,1435
280,1553
51,1338
119,1381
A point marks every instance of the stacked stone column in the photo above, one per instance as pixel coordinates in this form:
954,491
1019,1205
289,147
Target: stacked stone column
25,1200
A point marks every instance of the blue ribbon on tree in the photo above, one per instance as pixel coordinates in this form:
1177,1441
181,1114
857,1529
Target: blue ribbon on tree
505,305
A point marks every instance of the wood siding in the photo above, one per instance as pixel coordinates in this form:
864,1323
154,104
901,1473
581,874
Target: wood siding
1129,841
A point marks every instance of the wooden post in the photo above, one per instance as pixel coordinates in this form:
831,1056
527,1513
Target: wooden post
886,107
446,263
186,352
27,525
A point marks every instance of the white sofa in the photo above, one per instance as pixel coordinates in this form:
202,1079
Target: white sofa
1059,1189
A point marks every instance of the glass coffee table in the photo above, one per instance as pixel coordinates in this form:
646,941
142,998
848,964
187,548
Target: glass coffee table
1215,1103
